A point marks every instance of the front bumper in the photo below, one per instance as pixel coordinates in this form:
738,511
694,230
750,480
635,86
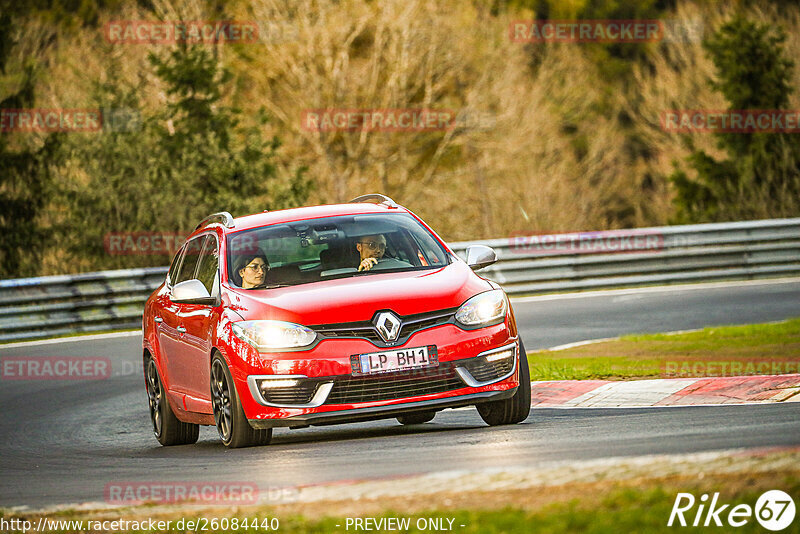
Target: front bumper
300,391
329,391
381,412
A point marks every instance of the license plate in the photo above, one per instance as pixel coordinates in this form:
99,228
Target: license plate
388,361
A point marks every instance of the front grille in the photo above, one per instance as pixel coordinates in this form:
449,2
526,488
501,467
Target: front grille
415,323
366,330
484,371
300,394
395,385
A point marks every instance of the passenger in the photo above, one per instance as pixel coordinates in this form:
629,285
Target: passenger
371,248
252,269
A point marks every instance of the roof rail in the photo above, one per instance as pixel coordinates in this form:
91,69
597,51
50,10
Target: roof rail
376,198
223,217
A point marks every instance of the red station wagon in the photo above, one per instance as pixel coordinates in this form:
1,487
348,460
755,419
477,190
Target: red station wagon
324,315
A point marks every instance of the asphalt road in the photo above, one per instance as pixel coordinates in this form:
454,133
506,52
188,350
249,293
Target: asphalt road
64,441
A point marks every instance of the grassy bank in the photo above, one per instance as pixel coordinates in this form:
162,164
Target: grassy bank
627,508
638,504
716,351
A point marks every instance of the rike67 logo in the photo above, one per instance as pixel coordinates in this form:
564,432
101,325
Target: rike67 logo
774,510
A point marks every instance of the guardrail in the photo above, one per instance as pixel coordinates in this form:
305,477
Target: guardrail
651,256
49,306
527,264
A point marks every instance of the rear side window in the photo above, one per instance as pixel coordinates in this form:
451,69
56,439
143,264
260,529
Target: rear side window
191,257
209,262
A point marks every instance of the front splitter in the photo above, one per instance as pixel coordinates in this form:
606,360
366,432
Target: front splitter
381,412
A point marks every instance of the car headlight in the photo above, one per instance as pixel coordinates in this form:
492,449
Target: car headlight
274,335
483,308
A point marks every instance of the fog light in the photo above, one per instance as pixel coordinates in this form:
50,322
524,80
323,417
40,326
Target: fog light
501,355
278,383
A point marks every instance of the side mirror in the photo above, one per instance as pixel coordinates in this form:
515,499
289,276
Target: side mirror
480,256
191,292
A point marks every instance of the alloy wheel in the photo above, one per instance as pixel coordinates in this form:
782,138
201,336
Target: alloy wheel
155,394
221,397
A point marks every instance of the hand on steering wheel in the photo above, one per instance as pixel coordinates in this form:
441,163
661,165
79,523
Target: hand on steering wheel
367,264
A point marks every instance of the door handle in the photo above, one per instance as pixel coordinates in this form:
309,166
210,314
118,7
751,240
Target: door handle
182,330
159,320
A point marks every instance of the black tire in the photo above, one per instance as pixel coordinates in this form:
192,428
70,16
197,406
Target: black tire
513,410
234,429
167,428
415,418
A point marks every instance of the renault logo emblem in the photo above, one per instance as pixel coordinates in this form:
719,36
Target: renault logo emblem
388,325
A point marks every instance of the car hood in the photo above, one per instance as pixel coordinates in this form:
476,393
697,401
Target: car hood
358,298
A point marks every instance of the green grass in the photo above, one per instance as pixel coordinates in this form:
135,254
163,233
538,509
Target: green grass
716,351
638,509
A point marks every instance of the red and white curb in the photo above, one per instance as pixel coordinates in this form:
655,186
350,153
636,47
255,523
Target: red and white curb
665,392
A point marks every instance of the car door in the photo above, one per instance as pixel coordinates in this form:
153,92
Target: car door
173,332
166,321
198,322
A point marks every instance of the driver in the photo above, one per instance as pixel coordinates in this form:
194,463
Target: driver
252,269
371,248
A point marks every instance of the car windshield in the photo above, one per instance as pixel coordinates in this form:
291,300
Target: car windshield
334,247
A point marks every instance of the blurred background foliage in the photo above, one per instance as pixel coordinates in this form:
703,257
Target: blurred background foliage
550,137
